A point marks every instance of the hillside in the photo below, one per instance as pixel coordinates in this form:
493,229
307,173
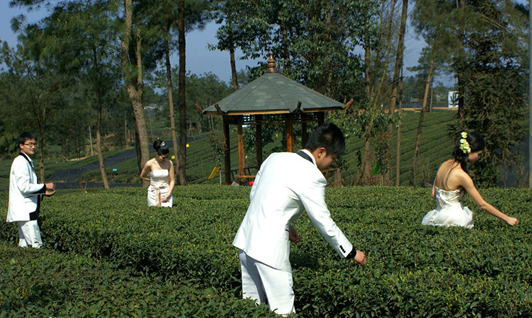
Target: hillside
435,147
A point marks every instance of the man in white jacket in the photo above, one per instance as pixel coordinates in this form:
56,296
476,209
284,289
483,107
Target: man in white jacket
25,193
287,184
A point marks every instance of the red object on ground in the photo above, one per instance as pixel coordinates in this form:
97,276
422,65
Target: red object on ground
251,183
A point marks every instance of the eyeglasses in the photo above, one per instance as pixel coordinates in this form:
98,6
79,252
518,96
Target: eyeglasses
31,144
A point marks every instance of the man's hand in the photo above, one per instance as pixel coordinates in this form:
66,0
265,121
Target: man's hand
360,258
292,235
50,189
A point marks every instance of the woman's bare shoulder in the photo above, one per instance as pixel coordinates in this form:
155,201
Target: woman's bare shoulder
445,167
150,162
458,178
445,173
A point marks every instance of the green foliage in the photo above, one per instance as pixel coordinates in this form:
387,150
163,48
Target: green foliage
412,270
489,63
496,108
50,284
435,146
313,41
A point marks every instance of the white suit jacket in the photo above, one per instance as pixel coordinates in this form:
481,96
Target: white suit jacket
23,190
286,185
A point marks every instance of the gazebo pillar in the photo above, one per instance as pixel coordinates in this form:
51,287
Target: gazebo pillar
241,159
321,118
258,139
227,150
304,134
289,133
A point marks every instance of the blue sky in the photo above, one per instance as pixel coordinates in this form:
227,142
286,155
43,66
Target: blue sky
199,58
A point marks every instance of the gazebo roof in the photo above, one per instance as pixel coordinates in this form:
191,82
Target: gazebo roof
273,93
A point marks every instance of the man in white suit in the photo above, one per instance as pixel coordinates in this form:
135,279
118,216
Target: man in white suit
287,184
25,193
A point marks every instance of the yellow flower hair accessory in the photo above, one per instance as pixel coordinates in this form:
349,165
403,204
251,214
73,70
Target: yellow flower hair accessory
464,145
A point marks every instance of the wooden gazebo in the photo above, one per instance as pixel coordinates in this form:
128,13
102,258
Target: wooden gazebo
270,99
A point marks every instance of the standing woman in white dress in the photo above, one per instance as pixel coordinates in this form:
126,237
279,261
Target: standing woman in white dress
451,181
159,171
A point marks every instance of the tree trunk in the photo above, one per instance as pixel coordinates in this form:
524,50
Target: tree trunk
396,76
373,102
233,69
41,157
367,82
99,146
182,102
367,56
460,74
134,86
170,85
364,166
398,147
420,125
99,112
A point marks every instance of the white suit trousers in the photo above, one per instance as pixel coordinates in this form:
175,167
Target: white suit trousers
267,285
29,234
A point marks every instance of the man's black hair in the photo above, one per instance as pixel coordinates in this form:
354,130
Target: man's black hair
21,139
329,136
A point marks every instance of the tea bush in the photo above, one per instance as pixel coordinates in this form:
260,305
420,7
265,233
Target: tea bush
412,270
45,283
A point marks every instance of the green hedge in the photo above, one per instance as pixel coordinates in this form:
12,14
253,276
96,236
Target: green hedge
45,283
412,270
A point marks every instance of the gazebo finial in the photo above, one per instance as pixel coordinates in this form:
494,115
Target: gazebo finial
271,64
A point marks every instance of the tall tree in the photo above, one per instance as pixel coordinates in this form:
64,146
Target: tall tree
182,96
132,71
396,74
166,15
483,41
83,29
230,36
495,88
377,87
422,115
32,93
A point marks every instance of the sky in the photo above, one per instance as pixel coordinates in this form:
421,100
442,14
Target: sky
199,59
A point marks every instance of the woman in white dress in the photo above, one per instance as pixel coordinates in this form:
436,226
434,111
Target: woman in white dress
452,180
159,171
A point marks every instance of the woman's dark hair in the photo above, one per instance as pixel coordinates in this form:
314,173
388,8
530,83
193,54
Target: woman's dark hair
329,136
160,147
475,142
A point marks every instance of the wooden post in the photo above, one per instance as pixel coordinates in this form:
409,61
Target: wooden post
337,178
241,159
227,150
321,118
289,133
304,134
258,137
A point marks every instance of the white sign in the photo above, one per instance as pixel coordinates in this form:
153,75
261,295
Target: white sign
452,99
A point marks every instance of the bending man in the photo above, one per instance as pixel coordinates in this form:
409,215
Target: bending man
287,184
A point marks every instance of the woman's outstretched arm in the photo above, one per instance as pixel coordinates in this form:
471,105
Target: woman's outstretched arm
469,186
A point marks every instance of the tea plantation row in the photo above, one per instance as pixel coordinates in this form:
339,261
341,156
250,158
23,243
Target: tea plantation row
46,283
412,270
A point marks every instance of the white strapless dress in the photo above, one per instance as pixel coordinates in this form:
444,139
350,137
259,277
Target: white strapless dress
449,210
158,189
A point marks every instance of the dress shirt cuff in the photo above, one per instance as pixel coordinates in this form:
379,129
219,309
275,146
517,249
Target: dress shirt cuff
352,254
43,189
